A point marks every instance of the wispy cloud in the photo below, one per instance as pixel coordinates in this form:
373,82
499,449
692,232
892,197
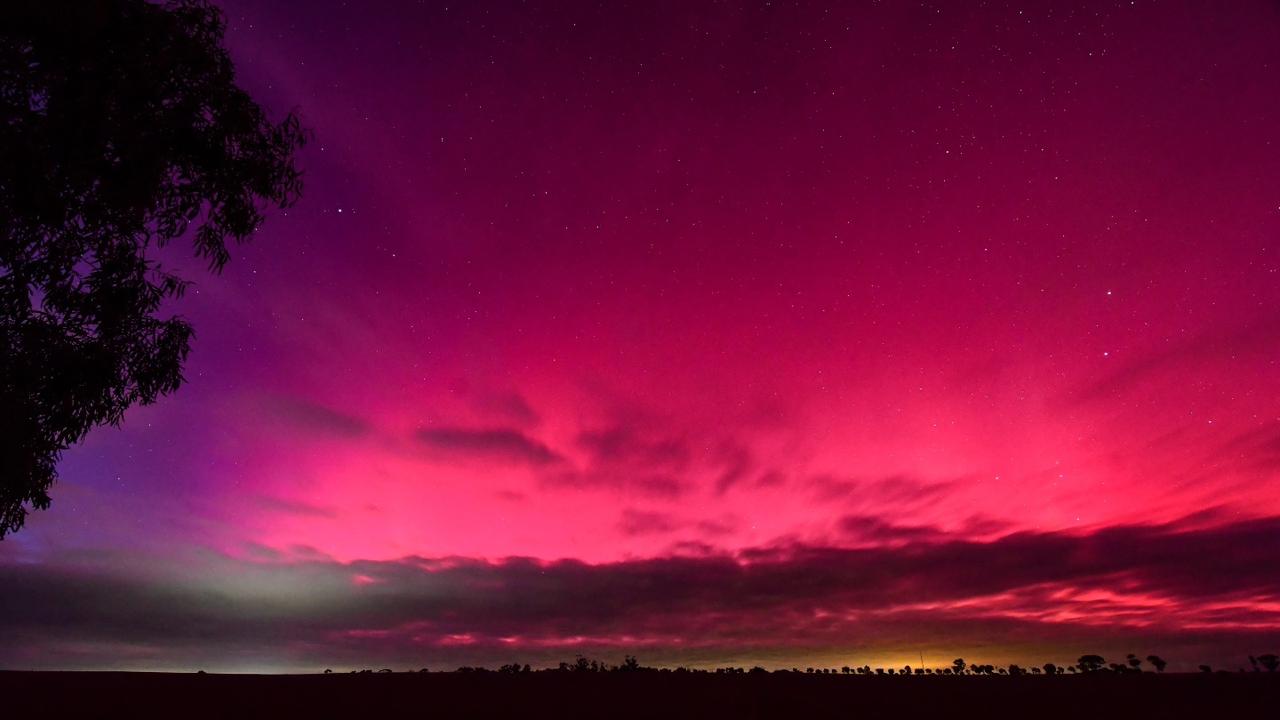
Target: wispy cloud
316,418
1218,344
500,444
293,507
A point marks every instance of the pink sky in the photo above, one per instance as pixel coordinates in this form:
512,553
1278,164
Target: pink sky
856,332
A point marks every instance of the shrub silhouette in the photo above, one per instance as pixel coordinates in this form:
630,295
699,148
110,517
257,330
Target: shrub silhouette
1157,662
1269,661
121,129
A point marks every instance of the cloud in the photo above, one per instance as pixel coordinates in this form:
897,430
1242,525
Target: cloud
501,444
623,457
293,507
1259,336
1215,584
636,481
648,459
638,522
894,491
771,478
875,530
867,528
715,528
1254,450
318,419
507,406
621,445
737,466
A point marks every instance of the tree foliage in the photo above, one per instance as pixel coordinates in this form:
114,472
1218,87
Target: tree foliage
121,129
1091,663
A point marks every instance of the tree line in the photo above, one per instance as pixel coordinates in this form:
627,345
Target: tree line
1085,665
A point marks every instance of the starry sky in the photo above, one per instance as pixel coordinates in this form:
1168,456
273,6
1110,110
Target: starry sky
752,333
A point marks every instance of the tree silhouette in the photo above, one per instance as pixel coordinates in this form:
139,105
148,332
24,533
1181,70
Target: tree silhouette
1157,662
121,129
1134,662
1269,661
1091,663
958,665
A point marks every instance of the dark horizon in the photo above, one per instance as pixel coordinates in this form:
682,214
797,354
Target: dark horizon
640,694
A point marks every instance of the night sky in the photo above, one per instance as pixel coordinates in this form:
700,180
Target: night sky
712,333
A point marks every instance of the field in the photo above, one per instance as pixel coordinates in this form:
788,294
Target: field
637,695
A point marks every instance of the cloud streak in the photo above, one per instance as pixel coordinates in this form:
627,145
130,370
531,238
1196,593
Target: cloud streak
1214,583
492,444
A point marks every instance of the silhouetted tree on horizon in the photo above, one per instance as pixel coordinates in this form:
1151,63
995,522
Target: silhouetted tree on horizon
630,664
121,129
1091,663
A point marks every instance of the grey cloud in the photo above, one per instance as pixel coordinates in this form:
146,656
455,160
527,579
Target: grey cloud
770,597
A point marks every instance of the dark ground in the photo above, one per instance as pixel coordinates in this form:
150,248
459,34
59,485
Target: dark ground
642,695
